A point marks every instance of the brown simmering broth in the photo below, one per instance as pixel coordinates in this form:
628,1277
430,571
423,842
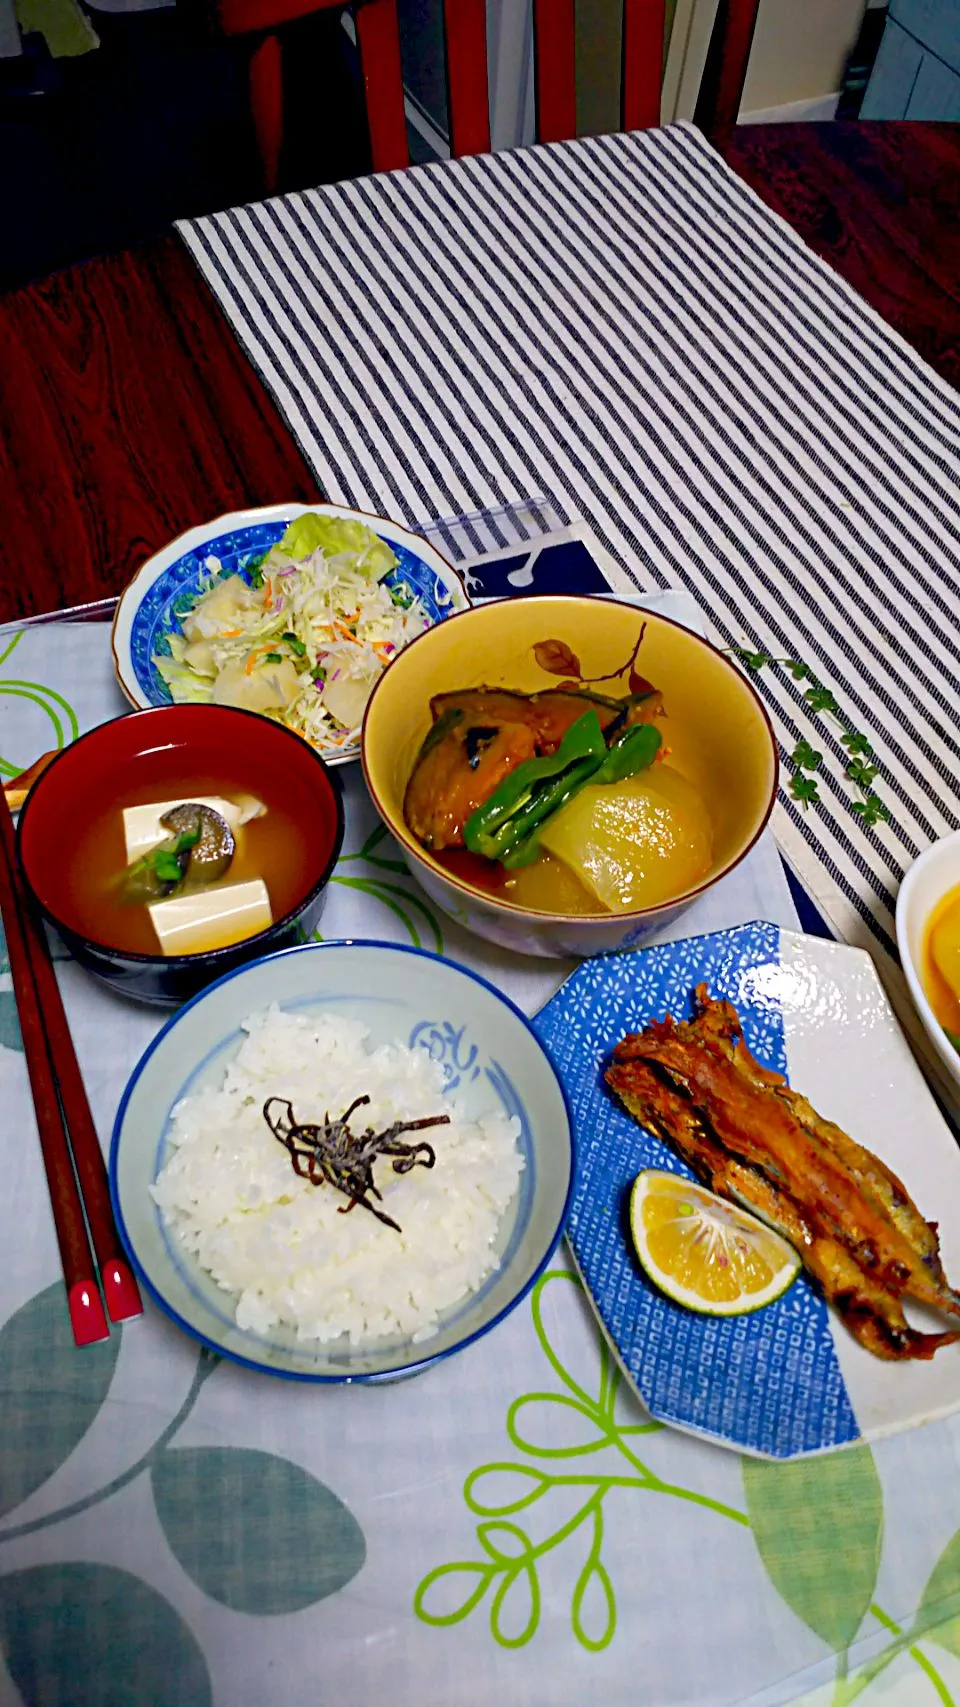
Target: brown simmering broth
273,847
547,886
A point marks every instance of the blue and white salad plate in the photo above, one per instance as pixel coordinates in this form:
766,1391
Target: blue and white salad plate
491,1061
788,1380
164,589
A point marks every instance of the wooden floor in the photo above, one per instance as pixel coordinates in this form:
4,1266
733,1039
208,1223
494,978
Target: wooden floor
881,204
128,411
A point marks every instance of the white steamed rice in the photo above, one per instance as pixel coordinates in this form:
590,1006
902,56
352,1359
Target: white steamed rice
278,1243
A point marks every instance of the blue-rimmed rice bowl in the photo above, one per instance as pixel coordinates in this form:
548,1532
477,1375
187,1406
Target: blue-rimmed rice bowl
164,588
491,1059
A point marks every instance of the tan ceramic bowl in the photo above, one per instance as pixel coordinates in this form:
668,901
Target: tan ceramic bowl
718,728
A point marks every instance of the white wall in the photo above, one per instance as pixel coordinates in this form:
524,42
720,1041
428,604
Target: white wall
799,53
9,32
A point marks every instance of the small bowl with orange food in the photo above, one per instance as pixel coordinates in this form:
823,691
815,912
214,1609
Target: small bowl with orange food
565,774
928,937
170,846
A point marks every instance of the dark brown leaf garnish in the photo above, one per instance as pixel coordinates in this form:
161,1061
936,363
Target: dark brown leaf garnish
556,657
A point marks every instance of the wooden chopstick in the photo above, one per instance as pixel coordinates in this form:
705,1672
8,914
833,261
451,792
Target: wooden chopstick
18,787
68,1137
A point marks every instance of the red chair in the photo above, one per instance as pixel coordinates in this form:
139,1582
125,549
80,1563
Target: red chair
378,39
725,72
465,29
554,70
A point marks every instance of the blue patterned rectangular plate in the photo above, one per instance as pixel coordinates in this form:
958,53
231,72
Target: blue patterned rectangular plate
787,1380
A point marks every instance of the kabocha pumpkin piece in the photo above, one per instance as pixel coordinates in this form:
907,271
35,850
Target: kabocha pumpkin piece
496,766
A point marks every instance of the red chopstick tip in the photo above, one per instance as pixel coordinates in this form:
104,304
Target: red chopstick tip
86,1313
120,1291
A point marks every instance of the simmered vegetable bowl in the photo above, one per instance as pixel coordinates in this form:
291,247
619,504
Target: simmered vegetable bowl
303,637
564,799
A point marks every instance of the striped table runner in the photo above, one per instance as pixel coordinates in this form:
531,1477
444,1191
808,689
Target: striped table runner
620,324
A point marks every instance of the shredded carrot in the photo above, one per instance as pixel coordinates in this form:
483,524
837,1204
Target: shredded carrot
257,652
347,633
230,633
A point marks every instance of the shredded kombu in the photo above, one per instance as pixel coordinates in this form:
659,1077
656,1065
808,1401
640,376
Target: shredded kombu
331,1154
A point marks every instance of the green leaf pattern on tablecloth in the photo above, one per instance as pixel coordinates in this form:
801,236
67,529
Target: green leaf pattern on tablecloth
255,1532
82,1635
496,1492
388,882
49,1396
819,1531
818,1527
939,1610
64,729
11,1036
62,717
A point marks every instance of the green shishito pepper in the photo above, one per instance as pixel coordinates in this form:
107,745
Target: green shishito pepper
507,826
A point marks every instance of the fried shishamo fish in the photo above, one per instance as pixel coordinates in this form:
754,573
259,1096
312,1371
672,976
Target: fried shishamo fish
752,1139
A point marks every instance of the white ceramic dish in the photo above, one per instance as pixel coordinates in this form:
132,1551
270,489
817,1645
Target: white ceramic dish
161,591
788,1380
926,883
491,1058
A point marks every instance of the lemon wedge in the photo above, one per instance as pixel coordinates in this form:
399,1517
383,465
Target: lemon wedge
705,1253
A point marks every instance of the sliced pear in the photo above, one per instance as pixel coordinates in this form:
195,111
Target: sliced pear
267,687
345,697
222,608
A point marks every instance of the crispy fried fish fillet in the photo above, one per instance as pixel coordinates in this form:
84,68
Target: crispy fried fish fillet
719,1020
753,1140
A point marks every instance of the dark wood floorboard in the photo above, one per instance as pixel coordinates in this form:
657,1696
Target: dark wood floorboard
881,204
128,411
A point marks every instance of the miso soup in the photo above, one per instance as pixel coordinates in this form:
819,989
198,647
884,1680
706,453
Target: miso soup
120,902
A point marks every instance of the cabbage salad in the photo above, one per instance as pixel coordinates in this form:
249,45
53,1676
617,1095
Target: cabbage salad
304,638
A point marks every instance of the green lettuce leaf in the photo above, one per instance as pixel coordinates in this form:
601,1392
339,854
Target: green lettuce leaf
184,684
333,534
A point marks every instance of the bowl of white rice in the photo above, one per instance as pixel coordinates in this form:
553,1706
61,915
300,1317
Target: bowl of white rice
342,1162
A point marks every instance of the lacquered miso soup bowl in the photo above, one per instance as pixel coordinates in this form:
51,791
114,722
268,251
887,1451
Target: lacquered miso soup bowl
714,715
149,754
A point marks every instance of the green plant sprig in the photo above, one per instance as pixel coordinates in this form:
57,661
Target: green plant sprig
860,768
